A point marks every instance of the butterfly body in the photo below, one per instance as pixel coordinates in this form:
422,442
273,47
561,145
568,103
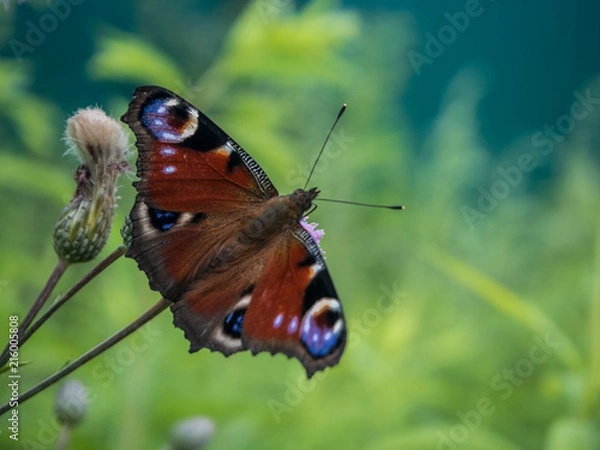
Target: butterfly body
272,218
214,236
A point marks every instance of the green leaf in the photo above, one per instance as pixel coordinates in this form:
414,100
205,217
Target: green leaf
125,57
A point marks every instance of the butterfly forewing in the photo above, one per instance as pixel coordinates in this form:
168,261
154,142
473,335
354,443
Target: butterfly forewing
195,182
186,161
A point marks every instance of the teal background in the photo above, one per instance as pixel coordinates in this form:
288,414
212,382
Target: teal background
474,315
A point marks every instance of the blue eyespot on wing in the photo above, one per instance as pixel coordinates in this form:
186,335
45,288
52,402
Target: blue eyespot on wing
322,327
162,220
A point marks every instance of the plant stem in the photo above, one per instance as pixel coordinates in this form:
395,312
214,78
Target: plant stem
63,438
116,254
158,307
58,271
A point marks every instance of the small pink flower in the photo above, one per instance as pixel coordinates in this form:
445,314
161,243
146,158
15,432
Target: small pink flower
317,235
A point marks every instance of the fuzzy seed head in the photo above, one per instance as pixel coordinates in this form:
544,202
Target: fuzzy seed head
98,140
101,146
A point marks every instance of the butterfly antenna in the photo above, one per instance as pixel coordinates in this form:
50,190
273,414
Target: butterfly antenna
395,207
342,109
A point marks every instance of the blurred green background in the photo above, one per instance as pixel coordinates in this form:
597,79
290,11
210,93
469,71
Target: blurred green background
474,315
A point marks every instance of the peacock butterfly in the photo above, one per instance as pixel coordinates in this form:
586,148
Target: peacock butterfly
213,236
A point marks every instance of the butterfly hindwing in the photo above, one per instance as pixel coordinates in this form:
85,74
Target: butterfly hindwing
211,313
171,248
284,302
309,324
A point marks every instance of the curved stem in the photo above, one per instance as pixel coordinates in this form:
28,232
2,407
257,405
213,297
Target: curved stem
116,254
56,274
158,307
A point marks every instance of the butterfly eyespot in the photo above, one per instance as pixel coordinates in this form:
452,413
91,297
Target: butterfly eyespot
322,328
168,120
162,220
234,323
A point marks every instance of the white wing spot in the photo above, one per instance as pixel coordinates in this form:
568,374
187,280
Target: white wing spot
167,151
278,320
293,326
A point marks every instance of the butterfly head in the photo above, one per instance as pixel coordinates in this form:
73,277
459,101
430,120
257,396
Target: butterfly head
304,199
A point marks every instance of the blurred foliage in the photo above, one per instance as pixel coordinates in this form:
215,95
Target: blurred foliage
443,316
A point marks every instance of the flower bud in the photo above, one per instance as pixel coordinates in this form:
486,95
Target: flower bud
101,146
70,404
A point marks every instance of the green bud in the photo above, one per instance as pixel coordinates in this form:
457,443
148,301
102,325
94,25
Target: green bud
83,227
126,231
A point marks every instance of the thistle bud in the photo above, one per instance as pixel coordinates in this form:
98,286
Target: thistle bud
126,231
101,147
70,404
191,434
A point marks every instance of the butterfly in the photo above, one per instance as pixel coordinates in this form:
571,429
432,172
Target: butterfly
214,237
